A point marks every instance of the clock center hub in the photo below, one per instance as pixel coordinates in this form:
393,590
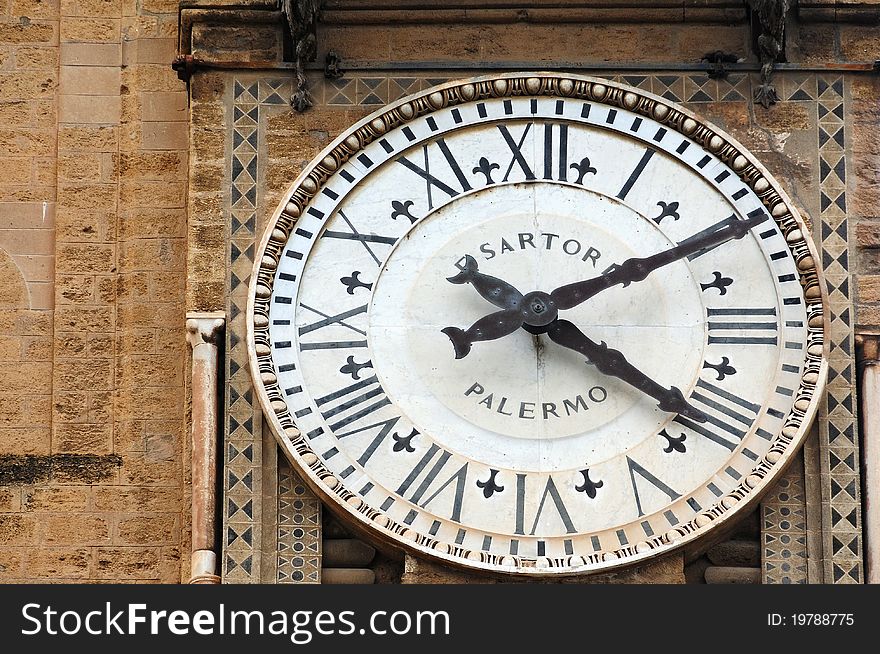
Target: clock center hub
538,309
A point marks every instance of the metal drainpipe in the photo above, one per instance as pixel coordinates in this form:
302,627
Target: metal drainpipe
870,405
202,331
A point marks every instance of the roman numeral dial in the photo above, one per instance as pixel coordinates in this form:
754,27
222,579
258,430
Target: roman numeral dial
535,324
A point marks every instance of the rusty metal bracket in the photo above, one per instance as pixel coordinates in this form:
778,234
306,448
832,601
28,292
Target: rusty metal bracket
333,65
768,25
185,65
302,19
718,59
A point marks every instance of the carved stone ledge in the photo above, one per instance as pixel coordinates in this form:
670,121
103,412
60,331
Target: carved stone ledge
356,12
250,33
839,11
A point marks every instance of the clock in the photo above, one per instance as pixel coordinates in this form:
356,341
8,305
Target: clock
537,324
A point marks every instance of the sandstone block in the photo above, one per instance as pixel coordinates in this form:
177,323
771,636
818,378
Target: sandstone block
135,500
149,193
868,235
10,562
40,58
82,319
90,80
24,440
82,529
17,529
91,258
83,439
10,500
58,563
89,109
103,8
207,86
25,142
79,167
148,530
127,563
207,114
91,30
165,135
56,499
19,32
71,407
152,222
868,288
89,197
92,139
91,54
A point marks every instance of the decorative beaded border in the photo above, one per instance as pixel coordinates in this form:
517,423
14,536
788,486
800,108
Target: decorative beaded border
307,185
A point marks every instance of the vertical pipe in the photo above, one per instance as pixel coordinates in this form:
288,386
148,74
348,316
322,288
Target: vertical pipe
870,405
202,330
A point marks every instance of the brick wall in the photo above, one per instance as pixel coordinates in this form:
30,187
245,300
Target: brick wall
93,168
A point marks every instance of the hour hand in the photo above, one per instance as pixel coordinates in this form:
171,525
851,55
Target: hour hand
496,291
612,362
487,328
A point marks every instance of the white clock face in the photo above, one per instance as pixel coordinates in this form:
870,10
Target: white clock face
649,339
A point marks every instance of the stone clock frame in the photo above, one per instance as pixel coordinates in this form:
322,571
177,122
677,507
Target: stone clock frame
354,508
271,521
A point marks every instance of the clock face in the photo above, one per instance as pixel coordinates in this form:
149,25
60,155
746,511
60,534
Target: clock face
537,325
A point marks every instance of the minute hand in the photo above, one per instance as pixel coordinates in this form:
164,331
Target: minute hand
637,269
613,363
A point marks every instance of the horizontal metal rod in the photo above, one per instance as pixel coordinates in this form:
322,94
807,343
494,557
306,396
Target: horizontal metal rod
488,66
844,67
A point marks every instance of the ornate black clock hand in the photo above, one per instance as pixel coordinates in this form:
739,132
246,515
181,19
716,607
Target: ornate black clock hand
612,362
487,328
533,310
637,269
496,291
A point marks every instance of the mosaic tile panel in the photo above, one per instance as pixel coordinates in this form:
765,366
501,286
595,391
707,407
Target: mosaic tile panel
784,529
299,529
784,519
838,425
243,420
241,494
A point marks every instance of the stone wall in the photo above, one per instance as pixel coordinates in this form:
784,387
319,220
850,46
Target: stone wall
115,198
93,153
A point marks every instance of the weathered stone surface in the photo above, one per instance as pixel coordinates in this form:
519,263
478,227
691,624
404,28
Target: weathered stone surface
728,575
347,576
736,553
668,570
695,572
346,553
